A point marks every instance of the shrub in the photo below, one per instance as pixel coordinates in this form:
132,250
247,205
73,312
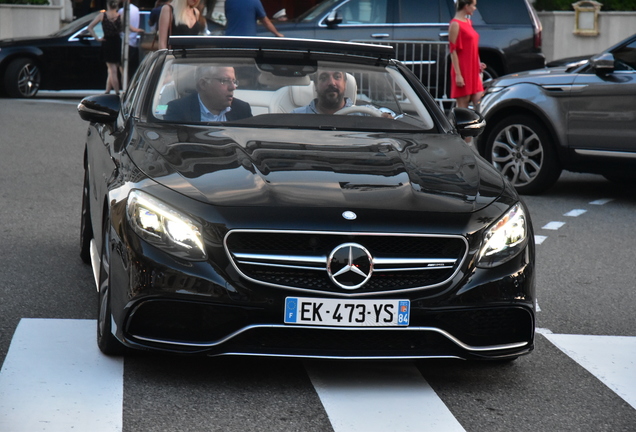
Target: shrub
31,2
566,5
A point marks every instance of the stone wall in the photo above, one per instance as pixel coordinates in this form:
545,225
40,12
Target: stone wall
559,40
28,20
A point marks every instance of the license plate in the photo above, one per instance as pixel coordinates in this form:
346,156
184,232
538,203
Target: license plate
347,313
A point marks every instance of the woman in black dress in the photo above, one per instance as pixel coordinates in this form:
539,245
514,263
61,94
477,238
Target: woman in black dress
111,42
179,18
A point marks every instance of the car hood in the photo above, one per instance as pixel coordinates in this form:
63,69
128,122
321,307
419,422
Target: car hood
547,76
23,41
300,168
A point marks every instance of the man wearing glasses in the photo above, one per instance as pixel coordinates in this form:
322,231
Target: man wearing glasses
213,101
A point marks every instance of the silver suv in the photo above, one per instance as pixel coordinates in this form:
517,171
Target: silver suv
579,118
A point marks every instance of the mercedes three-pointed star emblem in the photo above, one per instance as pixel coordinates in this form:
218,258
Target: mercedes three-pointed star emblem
350,266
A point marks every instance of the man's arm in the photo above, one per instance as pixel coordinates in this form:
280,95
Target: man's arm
267,23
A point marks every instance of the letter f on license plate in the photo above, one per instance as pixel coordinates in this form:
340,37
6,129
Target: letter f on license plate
347,313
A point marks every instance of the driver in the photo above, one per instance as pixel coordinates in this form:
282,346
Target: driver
330,89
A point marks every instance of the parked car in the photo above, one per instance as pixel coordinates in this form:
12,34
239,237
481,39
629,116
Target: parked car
69,59
359,235
578,118
510,31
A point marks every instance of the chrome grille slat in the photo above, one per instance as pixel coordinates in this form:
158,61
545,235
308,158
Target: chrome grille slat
298,260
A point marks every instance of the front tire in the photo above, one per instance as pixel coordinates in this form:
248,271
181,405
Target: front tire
521,149
22,78
106,341
86,228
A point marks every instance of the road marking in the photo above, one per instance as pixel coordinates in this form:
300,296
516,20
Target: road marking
379,397
538,239
553,225
601,201
575,213
612,359
55,379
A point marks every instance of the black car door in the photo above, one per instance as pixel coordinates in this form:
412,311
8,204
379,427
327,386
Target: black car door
76,63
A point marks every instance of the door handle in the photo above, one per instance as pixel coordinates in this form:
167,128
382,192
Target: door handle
380,35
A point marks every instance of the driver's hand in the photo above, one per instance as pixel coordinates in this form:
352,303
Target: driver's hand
387,113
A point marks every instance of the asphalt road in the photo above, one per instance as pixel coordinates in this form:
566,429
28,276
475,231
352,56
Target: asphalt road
584,282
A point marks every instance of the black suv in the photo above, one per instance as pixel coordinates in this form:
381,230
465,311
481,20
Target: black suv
510,31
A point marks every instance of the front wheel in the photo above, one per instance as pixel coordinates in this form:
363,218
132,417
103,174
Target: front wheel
86,228
521,149
22,78
106,341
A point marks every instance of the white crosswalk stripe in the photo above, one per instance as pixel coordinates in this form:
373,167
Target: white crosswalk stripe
55,379
379,397
612,359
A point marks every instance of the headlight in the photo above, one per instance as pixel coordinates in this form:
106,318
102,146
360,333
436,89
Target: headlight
505,239
165,227
494,89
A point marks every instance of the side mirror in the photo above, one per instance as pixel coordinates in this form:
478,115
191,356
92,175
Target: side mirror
603,63
99,108
333,19
468,122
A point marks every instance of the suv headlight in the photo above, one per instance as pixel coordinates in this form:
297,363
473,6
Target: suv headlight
165,227
493,89
505,239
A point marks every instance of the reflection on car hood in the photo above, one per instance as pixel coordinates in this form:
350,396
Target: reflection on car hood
547,76
267,167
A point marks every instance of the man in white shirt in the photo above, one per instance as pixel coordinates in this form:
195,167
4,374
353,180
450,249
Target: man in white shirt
133,39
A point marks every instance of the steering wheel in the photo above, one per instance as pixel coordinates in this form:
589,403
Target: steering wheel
360,109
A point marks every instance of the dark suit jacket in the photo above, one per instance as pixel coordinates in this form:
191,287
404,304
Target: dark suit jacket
187,110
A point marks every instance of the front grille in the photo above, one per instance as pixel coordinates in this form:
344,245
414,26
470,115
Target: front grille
299,260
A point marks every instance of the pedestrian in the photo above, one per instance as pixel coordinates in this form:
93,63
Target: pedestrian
111,42
466,81
155,13
180,17
133,38
242,15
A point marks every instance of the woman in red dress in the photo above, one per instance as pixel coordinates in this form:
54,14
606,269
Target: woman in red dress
466,85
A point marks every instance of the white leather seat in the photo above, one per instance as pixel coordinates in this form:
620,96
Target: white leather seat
288,98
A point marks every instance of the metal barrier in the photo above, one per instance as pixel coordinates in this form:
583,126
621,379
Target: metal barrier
428,60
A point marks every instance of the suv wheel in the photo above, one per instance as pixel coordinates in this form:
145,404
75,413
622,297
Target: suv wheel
521,149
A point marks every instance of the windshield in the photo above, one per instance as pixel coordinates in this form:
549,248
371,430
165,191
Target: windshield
72,27
265,95
317,11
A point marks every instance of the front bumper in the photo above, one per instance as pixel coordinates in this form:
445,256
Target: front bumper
160,303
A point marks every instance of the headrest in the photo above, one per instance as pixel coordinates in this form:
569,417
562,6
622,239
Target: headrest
184,79
302,95
352,88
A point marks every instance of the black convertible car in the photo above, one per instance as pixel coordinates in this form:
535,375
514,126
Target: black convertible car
261,229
